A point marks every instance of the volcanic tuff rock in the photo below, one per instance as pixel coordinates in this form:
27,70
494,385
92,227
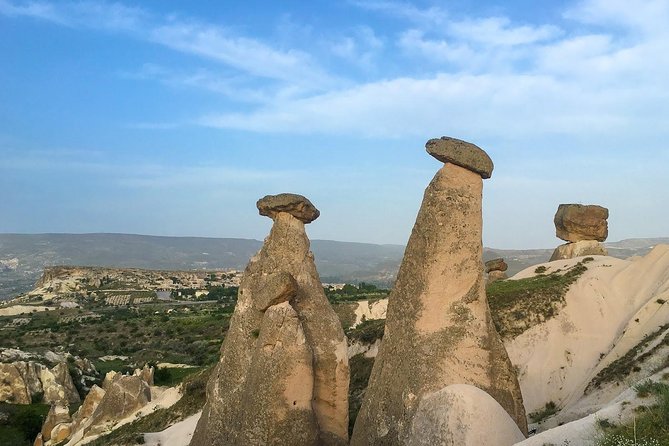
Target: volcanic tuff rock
124,395
576,222
22,382
283,372
58,414
438,328
296,205
461,153
12,387
578,249
494,276
462,415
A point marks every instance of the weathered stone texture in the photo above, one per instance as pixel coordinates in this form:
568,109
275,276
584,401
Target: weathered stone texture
579,249
577,222
461,153
438,328
296,205
496,265
462,415
265,288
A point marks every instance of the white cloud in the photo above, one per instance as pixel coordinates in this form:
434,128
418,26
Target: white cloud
499,31
405,10
250,56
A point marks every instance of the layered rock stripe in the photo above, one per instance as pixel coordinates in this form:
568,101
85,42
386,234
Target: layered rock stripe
438,328
280,296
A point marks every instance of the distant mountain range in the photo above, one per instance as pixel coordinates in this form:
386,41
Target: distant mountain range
24,256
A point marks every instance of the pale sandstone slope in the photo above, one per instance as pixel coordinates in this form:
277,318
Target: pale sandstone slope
608,311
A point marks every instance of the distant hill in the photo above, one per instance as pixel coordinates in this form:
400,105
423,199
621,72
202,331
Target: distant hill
24,256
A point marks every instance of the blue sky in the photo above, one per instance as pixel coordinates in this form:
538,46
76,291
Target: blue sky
173,118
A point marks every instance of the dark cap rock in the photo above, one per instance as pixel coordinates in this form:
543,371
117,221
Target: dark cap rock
461,153
496,265
577,222
296,205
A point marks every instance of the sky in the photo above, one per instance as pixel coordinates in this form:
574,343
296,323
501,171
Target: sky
173,118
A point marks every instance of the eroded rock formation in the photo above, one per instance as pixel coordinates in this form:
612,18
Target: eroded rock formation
496,270
24,382
583,227
438,329
283,373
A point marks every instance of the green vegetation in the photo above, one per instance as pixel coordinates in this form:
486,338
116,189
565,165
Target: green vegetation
619,369
20,423
171,376
518,305
190,334
361,369
368,331
194,396
345,311
549,410
650,427
350,293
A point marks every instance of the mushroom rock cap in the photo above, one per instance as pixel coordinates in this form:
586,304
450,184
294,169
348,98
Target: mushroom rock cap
460,153
296,205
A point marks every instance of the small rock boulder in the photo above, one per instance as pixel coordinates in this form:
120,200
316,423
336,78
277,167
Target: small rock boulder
296,205
461,153
577,222
579,249
496,265
462,415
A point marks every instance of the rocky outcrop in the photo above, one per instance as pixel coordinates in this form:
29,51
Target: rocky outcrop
576,222
462,415
12,387
145,373
582,227
285,351
438,328
125,395
579,249
87,408
59,415
29,381
58,386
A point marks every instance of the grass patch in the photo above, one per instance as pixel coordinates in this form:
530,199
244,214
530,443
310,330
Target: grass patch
368,331
549,410
619,369
650,427
361,369
192,401
171,376
518,305
20,423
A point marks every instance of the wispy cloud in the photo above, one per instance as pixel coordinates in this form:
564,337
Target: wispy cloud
404,10
247,55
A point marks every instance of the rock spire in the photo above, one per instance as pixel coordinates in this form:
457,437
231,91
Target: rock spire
283,375
438,329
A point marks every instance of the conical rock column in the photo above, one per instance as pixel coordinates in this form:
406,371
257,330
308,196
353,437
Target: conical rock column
283,373
438,328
